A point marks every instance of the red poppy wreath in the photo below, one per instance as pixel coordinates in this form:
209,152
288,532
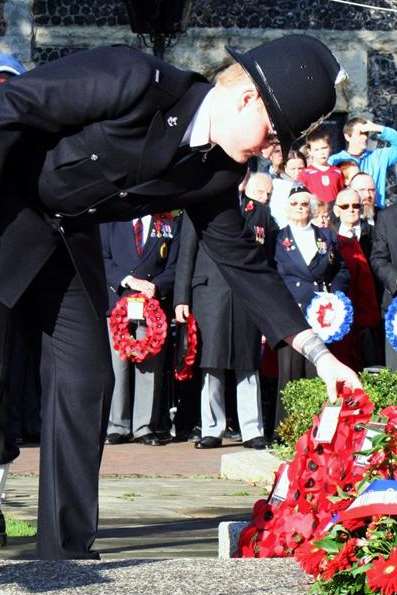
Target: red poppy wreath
185,371
137,350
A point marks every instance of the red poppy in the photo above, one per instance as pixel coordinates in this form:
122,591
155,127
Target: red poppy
354,524
391,414
287,243
249,206
186,371
262,513
382,576
342,561
247,540
309,557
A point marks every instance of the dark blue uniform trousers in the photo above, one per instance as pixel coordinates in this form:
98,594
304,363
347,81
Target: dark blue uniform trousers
77,384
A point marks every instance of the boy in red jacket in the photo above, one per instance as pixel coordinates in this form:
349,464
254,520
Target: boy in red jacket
320,178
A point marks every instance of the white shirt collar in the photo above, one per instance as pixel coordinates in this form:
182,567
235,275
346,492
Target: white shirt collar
198,132
299,229
347,232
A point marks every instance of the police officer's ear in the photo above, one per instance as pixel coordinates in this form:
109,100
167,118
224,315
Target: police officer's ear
247,96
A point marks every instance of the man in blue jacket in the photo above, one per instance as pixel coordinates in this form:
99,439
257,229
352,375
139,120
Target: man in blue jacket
374,162
140,256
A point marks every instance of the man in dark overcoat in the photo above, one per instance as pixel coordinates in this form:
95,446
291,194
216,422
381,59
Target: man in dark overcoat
384,264
111,134
229,340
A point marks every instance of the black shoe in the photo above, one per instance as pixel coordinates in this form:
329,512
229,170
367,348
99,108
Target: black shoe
117,438
259,443
209,442
149,440
164,437
31,438
195,435
3,534
231,434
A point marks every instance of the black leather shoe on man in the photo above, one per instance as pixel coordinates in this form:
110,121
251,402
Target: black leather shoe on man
259,443
209,442
149,440
117,438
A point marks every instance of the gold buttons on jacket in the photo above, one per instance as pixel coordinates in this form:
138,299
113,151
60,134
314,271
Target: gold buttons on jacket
123,194
94,157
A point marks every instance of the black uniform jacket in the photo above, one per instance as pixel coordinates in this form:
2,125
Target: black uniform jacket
326,272
96,135
229,338
156,263
384,253
260,222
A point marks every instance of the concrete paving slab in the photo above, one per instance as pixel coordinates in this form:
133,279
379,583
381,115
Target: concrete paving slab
147,517
154,577
250,465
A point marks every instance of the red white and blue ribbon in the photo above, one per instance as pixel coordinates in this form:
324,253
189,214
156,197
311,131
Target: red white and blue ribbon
380,498
330,315
391,324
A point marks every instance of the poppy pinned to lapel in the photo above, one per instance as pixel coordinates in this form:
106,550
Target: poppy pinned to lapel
288,244
249,206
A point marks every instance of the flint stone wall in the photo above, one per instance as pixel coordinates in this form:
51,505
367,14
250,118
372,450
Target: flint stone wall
364,40
250,14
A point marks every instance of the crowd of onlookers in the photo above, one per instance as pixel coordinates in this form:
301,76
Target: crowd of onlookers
320,220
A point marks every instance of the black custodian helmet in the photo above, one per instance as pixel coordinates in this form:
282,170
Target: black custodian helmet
296,77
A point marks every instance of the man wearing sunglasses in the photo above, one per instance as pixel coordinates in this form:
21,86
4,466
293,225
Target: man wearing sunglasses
112,134
355,237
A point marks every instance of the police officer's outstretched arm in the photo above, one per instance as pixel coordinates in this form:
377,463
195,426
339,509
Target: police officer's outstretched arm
219,226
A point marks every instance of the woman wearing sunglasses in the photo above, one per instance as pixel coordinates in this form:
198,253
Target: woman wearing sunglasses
362,347
308,260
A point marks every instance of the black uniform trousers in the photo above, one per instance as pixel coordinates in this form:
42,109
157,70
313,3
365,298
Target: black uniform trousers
77,384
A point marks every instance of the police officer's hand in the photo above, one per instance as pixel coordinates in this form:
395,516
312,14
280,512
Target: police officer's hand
334,373
181,312
146,287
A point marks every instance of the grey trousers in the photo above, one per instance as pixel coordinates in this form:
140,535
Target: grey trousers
136,397
391,357
249,406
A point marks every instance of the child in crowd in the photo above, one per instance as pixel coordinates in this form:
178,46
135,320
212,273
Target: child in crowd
320,178
374,162
294,164
349,169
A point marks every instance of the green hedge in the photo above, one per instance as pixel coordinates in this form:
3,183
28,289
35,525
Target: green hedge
304,398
